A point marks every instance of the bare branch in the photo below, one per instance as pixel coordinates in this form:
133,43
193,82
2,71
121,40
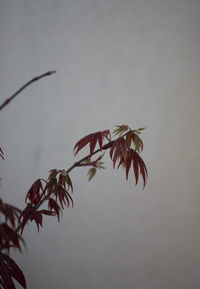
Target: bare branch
7,101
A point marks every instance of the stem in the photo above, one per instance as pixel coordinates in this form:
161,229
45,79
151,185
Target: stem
7,101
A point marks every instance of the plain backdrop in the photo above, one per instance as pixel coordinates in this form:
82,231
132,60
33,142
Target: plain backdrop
134,62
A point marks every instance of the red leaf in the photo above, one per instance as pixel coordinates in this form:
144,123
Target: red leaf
63,196
51,186
10,212
34,192
29,213
136,170
64,180
69,182
54,207
8,270
128,165
137,142
143,169
119,151
9,238
138,164
92,140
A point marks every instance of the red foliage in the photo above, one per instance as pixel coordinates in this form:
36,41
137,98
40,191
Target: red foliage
64,180
9,270
124,151
9,238
10,213
125,155
34,192
63,196
58,187
119,151
54,207
134,138
92,140
31,214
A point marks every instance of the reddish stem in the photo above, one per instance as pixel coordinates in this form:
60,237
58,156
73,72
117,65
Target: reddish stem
7,101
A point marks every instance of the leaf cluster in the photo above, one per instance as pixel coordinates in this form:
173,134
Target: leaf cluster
55,193
124,150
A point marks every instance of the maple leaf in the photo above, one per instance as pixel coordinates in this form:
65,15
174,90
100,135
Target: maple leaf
139,166
92,140
31,214
120,129
9,270
63,196
51,186
34,192
1,154
132,137
54,207
64,180
10,212
9,238
121,152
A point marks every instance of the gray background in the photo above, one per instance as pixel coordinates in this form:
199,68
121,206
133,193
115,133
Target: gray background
119,62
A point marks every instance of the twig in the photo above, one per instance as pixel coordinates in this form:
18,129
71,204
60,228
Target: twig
24,86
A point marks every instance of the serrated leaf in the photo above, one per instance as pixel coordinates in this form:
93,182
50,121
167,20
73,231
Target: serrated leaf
92,140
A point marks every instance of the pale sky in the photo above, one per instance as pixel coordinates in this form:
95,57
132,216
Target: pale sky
118,62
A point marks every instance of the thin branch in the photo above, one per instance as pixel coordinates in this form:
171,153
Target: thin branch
43,199
7,101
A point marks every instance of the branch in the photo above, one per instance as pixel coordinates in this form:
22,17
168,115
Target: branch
24,86
42,197
127,163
